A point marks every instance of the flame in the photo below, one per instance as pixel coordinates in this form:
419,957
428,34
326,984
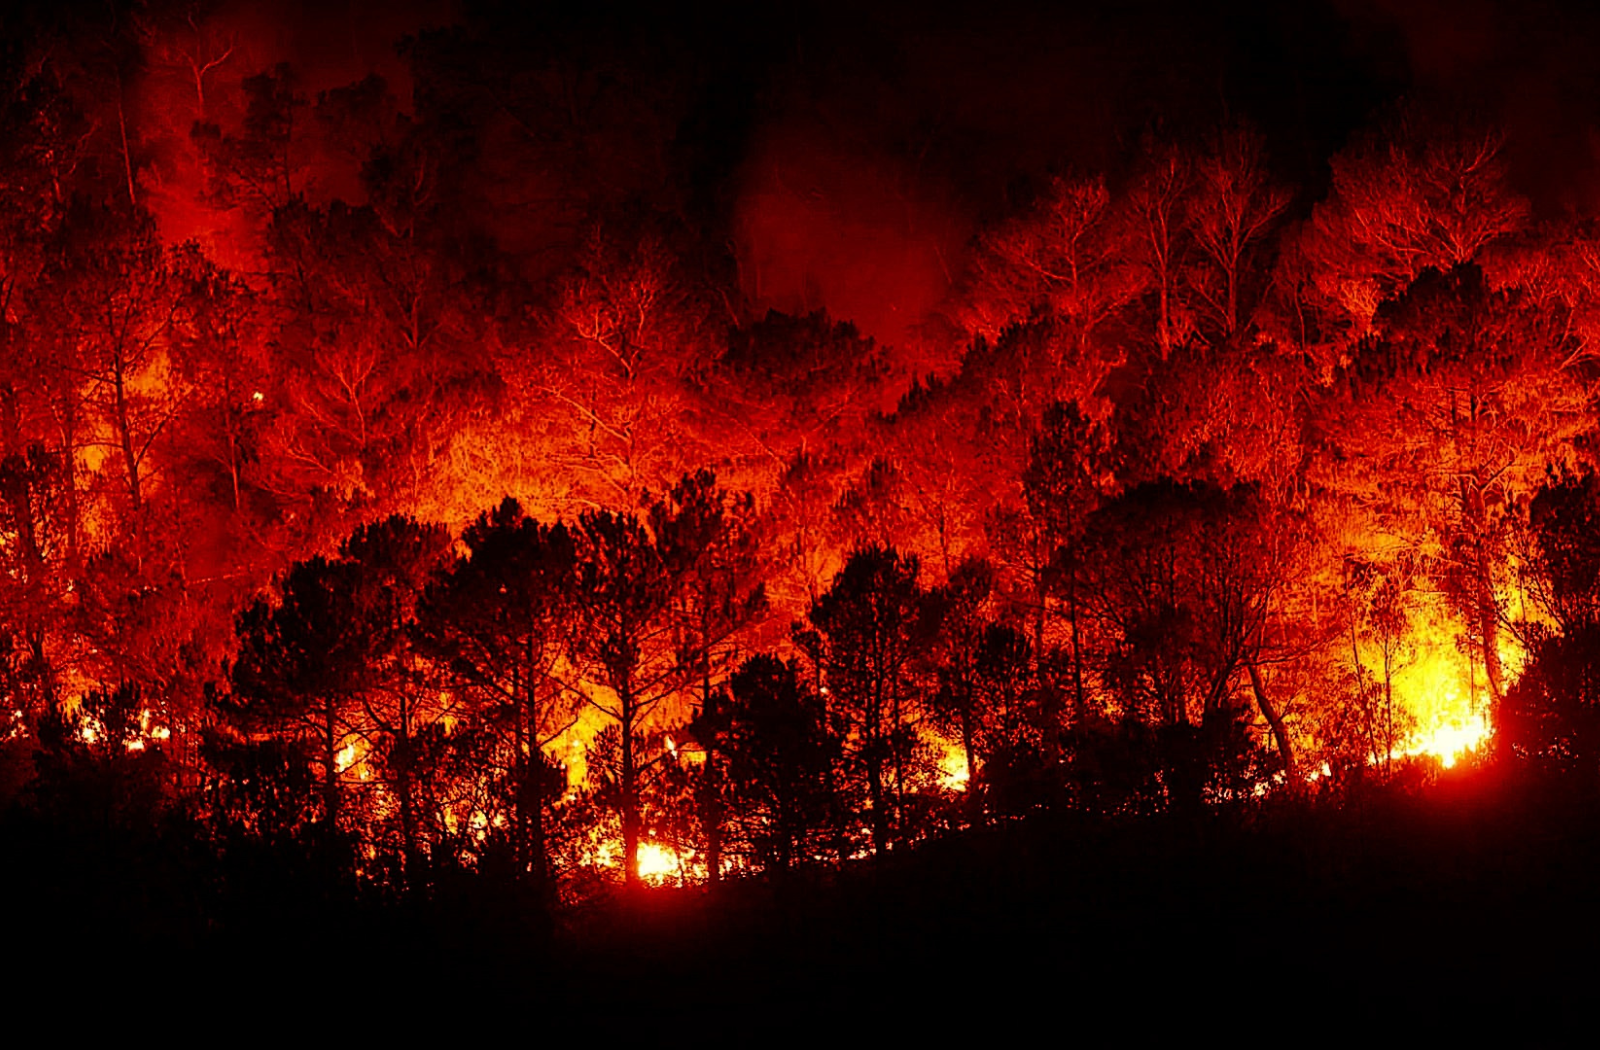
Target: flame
953,772
1449,724
1450,741
657,864
1441,695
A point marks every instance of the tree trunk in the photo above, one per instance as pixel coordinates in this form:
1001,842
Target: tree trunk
1077,650
330,766
630,790
711,818
125,439
974,797
966,745
710,787
1489,627
880,826
408,805
69,481
1280,732
1388,705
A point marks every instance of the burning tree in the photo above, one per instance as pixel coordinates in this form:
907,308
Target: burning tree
660,600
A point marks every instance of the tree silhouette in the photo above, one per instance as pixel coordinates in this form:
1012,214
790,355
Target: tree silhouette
327,660
959,608
863,639
394,560
625,595
502,620
1066,465
711,545
781,754
1552,714
1187,575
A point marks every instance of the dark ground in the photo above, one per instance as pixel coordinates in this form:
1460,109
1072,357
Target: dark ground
1468,901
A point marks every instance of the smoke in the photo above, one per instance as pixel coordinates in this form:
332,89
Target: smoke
1528,66
853,231
873,142
195,63
886,139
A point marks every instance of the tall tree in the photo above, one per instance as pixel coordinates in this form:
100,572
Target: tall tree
625,593
959,611
302,659
502,620
711,543
126,298
1156,205
1234,203
1414,193
1188,575
1066,255
394,560
1061,483
328,661
1551,715
1454,413
782,749
863,638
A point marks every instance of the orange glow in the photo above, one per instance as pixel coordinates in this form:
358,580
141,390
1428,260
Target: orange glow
1449,742
351,761
264,325
953,772
1440,690
658,865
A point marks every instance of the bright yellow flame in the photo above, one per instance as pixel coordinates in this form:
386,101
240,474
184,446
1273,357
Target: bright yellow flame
657,864
953,772
1449,741
1440,687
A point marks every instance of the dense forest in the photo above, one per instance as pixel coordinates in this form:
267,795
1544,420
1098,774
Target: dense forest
503,459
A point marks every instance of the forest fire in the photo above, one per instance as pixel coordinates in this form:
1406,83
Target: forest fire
558,459
954,770
1450,742
658,865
